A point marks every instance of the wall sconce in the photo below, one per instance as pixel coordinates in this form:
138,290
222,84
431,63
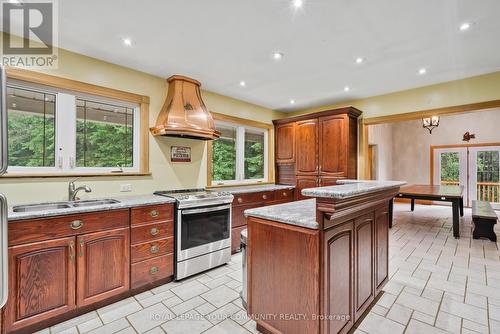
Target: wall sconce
430,123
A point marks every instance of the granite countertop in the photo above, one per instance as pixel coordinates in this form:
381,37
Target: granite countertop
254,189
125,202
298,213
351,188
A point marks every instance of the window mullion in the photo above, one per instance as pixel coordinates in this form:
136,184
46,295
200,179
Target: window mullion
240,153
66,130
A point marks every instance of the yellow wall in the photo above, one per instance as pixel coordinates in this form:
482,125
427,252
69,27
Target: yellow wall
470,90
165,175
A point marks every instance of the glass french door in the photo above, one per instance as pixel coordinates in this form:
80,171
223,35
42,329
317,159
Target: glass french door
450,168
477,168
484,166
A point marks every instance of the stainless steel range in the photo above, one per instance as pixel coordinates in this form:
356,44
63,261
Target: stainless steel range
203,230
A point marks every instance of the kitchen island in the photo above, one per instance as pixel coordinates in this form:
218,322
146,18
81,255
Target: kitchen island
314,266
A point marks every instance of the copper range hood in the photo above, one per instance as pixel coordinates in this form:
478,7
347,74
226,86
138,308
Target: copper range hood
184,114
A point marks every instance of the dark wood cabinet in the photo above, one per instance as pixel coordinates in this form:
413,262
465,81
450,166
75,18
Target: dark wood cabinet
382,219
59,267
303,182
333,146
41,282
351,248
285,143
325,147
103,260
306,147
363,263
339,276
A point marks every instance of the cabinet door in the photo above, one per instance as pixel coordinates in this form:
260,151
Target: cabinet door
364,263
41,282
339,277
306,148
103,265
333,145
381,247
285,143
304,182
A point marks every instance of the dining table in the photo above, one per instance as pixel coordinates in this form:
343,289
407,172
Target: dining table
439,193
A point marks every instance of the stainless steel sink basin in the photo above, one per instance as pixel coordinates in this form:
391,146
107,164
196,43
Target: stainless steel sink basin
62,205
94,202
41,207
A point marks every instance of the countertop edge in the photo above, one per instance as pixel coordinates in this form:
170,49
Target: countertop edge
125,203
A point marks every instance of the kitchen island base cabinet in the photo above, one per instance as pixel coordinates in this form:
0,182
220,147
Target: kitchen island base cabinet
331,275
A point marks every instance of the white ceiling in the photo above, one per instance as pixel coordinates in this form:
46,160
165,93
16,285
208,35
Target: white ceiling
221,42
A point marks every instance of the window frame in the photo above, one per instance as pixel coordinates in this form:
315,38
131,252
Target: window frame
241,125
67,92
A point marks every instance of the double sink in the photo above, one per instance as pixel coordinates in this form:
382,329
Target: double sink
63,205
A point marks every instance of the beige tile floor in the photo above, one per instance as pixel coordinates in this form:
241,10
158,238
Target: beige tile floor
438,285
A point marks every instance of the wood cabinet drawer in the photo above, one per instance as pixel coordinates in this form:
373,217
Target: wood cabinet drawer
151,270
283,195
34,230
151,232
248,198
152,213
238,214
148,250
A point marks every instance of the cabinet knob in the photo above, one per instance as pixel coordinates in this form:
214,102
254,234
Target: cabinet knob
76,224
154,249
240,199
285,194
154,213
264,196
154,231
153,270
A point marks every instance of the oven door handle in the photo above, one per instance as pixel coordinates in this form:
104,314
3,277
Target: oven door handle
203,210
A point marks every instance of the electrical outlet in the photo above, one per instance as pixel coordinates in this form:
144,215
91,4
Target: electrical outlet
125,187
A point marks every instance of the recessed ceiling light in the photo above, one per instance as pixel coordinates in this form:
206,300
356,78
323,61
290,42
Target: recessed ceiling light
360,60
243,83
278,55
292,101
298,3
347,88
422,71
127,41
16,2
465,26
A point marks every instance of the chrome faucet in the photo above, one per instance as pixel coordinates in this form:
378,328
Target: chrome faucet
73,191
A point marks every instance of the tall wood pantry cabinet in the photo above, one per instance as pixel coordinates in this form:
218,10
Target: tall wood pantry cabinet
316,150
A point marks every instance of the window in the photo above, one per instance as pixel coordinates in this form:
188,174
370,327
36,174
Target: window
59,131
240,155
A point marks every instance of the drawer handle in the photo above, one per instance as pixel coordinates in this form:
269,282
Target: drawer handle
154,249
240,199
154,231
76,224
285,194
264,196
153,270
154,213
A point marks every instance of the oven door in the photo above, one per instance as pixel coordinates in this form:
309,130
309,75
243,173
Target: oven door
203,230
